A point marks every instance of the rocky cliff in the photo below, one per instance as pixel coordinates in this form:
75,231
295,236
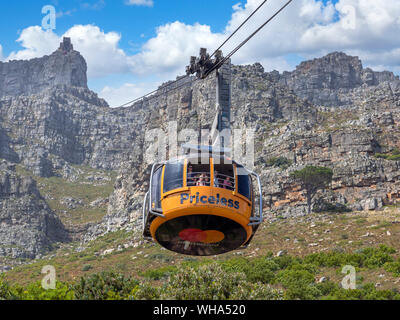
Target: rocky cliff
329,111
64,67
28,227
328,80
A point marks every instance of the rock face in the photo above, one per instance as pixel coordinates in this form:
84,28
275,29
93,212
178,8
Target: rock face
28,227
63,67
329,111
327,80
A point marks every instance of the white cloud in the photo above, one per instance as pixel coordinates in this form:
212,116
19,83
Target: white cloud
372,34
307,28
36,43
1,53
100,49
117,96
146,3
170,50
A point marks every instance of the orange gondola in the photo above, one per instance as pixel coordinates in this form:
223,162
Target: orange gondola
201,205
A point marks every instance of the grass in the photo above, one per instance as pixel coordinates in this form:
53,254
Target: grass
343,233
263,277
54,189
335,120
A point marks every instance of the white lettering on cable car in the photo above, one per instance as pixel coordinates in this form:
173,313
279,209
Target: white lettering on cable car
209,199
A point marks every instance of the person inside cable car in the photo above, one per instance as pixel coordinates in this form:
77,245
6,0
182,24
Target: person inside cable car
216,182
198,175
191,176
227,183
202,181
224,176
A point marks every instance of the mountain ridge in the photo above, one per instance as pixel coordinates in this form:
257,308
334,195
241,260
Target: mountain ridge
342,118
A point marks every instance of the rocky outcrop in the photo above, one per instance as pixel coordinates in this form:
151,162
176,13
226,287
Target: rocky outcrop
329,111
360,121
64,67
28,228
324,81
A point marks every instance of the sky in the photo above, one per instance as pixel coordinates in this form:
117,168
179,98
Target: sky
132,46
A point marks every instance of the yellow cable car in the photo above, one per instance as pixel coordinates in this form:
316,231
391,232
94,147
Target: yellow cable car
201,208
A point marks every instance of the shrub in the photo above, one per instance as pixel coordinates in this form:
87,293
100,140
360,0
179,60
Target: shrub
104,286
368,257
211,282
161,273
87,267
396,151
258,270
313,179
395,156
393,267
366,292
145,291
281,162
262,270
6,291
299,284
35,291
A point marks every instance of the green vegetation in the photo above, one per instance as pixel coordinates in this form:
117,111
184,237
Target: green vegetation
57,188
393,157
280,162
265,278
313,179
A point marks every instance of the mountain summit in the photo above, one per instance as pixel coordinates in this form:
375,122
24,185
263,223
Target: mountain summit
64,67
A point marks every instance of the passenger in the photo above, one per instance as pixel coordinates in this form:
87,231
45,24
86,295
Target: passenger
227,184
191,177
216,182
203,180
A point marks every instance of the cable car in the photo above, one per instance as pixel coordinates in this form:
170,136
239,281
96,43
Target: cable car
202,205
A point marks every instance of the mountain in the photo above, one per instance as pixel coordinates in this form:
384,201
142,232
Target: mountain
28,225
63,67
329,80
88,160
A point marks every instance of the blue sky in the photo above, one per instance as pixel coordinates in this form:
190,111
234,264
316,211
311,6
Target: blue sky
130,49
133,22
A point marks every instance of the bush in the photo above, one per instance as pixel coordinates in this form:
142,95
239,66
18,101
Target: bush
6,291
395,156
393,267
87,267
35,291
258,270
299,284
145,291
161,273
262,270
366,292
396,151
211,282
281,162
369,257
104,286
